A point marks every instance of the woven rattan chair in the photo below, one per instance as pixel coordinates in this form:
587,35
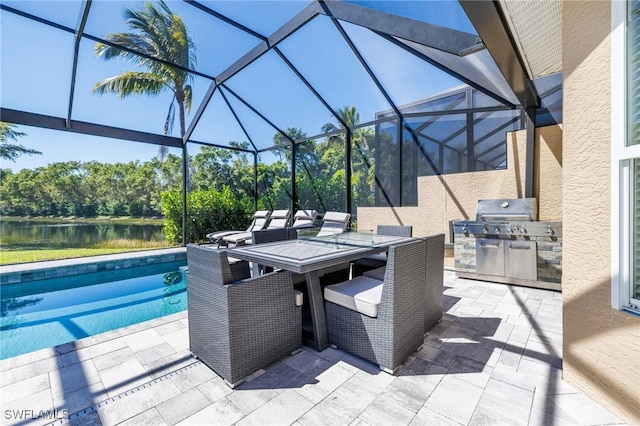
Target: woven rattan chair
434,280
358,267
392,329
239,327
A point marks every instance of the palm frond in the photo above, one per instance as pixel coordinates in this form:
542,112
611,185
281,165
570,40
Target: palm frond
132,83
329,127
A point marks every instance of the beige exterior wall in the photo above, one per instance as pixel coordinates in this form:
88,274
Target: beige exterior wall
453,197
601,345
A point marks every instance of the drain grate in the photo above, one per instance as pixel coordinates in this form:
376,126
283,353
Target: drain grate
106,402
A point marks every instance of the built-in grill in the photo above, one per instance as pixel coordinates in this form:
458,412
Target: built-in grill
506,243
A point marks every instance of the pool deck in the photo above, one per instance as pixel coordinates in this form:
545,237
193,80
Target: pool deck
496,358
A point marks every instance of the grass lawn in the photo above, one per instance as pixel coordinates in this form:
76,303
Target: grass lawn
8,257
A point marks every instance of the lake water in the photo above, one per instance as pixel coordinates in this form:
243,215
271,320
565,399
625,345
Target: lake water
40,234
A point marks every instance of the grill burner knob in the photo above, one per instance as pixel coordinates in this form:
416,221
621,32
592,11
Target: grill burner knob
549,231
523,230
484,230
509,230
496,231
465,230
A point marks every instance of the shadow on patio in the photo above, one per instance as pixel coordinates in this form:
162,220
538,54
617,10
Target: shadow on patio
494,359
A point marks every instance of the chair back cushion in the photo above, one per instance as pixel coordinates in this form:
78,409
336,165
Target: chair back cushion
259,221
334,223
306,214
279,219
338,217
304,218
280,214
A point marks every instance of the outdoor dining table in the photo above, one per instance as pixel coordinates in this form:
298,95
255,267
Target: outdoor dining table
310,255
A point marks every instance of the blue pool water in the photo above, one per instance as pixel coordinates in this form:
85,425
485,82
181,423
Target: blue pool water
51,312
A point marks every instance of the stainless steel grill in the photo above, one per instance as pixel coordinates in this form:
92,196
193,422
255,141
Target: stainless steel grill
508,217
501,244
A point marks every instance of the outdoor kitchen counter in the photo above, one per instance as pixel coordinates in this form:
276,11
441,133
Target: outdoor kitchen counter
548,265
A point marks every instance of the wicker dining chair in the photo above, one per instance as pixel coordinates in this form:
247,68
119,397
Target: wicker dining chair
239,327
359,266
434,280
381,321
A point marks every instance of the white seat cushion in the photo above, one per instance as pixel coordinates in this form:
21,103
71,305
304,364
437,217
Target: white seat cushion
337,217
303,223
299,297
361,294
240,237
376,274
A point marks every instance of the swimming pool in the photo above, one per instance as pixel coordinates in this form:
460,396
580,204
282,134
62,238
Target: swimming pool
51,312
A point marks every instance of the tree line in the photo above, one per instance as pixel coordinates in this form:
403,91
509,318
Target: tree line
221,193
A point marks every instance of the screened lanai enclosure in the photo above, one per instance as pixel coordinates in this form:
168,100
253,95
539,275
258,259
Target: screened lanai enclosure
328,105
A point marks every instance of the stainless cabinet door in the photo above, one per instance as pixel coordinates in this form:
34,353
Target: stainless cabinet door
520,258
490,256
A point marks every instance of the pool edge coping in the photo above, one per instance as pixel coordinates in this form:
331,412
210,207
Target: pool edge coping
33,271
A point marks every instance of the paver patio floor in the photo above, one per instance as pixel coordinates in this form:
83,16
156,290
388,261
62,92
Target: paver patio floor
496,358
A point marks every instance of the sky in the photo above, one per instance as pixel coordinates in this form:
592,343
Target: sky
36,67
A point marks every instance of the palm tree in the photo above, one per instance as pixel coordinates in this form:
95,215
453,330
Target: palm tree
158,33
11,151
360,138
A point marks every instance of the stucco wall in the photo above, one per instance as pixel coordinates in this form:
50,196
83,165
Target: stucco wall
601,345
452,197
547,178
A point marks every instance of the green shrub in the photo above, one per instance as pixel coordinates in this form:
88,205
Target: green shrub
207,211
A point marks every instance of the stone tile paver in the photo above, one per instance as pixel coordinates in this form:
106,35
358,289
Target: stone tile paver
129,406
122,377
183,405
384,411
221,413
284,409
497,346
447,397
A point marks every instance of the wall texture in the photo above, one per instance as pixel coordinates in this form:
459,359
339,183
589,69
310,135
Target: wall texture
452,197
601,346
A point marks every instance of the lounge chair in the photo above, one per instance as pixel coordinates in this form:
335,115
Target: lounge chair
334,223
279,220
381,321
259,221
238,327
304,218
